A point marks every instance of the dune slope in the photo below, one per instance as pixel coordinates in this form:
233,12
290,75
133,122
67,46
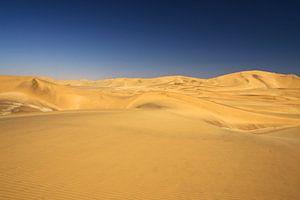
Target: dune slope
142,154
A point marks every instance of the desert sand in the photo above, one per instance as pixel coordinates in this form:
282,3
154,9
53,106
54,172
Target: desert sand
235,136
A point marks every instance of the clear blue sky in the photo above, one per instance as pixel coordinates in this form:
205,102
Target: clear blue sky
103,39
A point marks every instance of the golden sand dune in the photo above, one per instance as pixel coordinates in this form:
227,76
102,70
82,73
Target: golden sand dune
246,100
235,136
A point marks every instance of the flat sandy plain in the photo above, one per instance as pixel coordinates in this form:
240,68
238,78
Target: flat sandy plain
235,136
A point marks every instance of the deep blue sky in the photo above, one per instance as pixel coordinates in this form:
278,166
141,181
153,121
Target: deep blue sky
103,39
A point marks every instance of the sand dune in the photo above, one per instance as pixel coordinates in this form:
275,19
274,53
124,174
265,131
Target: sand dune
231,137
245,100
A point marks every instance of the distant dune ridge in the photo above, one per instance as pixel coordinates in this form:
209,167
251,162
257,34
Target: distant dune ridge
268,99
235,136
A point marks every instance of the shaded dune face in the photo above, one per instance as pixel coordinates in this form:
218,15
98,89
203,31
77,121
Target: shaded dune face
246,101
151,106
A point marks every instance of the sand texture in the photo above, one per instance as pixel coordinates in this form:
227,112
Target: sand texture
235,136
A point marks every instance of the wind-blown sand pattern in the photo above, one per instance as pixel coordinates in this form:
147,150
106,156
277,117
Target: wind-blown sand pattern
235,136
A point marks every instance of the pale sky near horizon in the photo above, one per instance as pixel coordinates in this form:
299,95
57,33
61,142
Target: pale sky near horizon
105,39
